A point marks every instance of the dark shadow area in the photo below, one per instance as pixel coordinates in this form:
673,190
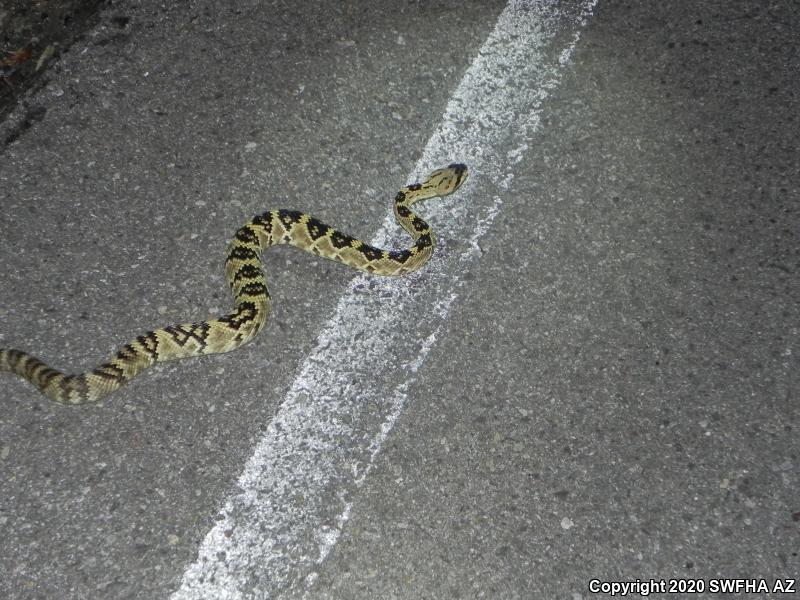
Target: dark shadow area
32,35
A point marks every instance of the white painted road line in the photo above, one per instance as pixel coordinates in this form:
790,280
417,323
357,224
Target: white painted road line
295,490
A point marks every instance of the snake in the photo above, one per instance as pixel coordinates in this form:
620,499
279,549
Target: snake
244,275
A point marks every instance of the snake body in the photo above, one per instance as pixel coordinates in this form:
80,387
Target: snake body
244,275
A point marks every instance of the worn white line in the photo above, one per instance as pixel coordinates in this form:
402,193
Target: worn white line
295,492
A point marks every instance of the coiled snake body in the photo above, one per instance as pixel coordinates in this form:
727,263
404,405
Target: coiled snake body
243,272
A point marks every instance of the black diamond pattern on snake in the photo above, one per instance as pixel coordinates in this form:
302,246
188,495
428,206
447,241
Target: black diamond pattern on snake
251,300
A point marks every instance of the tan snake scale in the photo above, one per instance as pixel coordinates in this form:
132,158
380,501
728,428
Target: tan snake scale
244,274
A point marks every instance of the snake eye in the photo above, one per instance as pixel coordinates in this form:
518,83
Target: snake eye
460,172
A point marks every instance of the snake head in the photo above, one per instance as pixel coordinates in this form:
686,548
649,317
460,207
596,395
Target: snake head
446,181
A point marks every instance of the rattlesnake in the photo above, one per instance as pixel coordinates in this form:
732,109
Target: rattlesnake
243,272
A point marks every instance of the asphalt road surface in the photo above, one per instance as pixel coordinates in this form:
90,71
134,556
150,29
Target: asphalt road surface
591,389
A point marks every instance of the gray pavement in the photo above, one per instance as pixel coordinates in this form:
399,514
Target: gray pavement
615,395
